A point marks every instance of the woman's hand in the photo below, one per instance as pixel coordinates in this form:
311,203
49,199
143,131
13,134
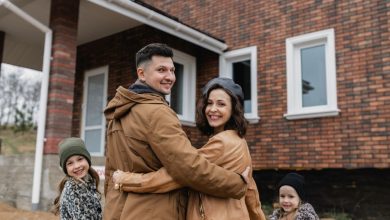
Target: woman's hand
116,179
245,174
116,176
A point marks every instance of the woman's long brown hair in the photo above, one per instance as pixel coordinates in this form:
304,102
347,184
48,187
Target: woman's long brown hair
56,203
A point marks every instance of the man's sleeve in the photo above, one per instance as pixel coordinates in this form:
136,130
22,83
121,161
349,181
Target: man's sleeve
171,145
160,181
153,182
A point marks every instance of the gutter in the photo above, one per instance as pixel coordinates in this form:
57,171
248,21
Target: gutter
43,98
146,16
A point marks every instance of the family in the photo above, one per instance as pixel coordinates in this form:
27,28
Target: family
153,171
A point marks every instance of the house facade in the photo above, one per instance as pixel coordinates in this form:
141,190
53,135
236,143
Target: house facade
315,75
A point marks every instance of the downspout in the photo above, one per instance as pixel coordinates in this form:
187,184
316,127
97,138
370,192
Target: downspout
43,98
41,121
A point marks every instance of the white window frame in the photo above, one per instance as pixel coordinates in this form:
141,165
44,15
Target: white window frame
88,74
295,109
226,61
189,87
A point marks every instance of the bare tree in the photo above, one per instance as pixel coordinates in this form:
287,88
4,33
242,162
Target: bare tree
10,82
31,95
18,94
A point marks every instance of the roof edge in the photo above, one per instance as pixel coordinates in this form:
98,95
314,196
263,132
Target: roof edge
166,24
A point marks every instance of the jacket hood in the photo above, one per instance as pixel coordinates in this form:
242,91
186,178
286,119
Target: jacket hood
124,100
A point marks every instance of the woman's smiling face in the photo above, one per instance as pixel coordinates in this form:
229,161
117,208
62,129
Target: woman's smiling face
218,110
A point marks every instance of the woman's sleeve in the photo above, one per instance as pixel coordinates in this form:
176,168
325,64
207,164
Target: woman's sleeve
252,201
154,182
213,150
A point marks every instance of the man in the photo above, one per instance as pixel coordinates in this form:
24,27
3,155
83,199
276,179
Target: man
145,134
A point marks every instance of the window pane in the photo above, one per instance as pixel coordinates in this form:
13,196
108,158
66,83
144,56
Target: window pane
242,76
177,90
313,76
95,100
92,140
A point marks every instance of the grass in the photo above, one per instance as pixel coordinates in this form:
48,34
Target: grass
17,143
267,209
335,215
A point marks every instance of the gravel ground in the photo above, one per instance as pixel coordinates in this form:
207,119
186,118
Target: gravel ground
8,212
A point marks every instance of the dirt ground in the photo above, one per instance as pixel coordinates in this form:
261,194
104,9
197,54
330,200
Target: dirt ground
8,212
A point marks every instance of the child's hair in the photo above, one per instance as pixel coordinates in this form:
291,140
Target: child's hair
237,120
56,203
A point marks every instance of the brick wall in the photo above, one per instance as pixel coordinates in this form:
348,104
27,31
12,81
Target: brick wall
63,22
359,136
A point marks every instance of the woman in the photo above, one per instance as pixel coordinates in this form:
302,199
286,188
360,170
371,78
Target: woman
220,116
78,195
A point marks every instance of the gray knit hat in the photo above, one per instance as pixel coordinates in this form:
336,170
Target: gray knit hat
72,146
227,84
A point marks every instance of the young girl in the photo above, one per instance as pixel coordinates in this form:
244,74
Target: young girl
221,116
78,195
291,196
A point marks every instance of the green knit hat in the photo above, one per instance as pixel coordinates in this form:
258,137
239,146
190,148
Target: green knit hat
72,146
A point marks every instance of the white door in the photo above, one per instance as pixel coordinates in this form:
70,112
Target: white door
94,102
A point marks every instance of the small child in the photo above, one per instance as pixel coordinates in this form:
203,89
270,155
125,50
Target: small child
78,195
291,197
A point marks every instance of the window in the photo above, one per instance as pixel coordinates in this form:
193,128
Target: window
177,90
94,101
311,75
182,98
241,66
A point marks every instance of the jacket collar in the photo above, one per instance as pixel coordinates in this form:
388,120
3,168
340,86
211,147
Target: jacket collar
141,87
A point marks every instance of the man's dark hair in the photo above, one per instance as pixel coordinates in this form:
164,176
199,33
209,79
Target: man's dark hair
155,49
236,122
